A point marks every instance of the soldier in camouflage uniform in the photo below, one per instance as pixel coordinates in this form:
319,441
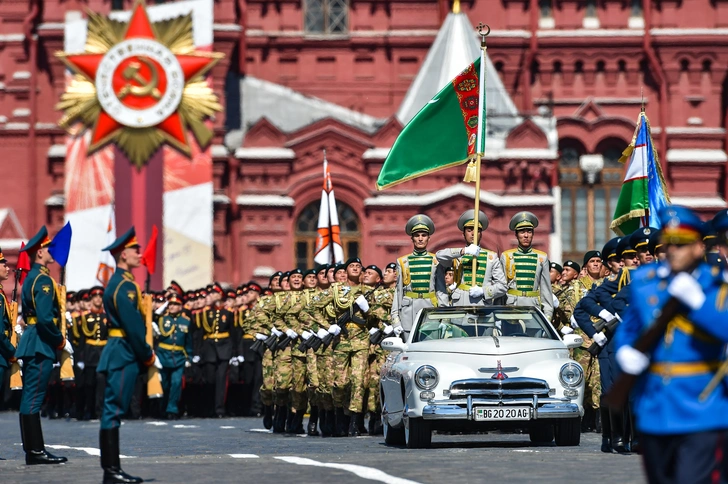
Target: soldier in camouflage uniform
260,325
283,360
415,287
382,298
303,367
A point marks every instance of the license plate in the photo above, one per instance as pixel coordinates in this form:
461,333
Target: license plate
502,413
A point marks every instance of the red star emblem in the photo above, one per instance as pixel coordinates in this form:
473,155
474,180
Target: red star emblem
140,83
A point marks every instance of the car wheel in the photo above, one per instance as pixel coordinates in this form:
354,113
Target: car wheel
542,434
417,433
568,432
392,436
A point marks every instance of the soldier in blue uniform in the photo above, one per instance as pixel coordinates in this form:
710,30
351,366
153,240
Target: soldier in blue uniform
683,424
37,348
125,352
7,350
174,349
595,305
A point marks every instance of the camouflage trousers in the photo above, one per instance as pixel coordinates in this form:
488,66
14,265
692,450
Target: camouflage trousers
312,377
325,366
299,376
376,360
268,385
284,376
351,362
592,380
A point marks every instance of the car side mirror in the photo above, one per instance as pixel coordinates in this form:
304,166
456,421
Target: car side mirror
393,343
573,341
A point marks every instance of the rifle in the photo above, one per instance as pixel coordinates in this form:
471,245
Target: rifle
313,342
154,379
66,359
603,326
349,315
616,397
16,380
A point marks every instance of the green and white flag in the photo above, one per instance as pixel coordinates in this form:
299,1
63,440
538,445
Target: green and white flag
444,133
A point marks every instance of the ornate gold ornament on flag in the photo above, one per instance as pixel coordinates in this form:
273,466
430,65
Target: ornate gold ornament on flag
139,85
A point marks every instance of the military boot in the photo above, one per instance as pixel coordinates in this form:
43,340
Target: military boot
290,422
606,431
616,421
298,423
31,433
328,424
110,461
375,424
313,420
279,420
354,425
268,416
341,429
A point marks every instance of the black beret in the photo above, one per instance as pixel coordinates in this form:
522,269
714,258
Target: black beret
556,266
573,265
375,269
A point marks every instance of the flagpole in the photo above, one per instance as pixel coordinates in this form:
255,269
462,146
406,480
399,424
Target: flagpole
332,257
480,142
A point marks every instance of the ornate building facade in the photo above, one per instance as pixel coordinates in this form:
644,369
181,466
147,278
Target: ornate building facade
567,82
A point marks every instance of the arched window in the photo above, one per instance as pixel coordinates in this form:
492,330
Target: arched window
306,233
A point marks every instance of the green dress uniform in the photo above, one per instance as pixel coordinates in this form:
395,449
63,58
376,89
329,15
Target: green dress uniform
37,349
415,288
174,350
121,358
7,350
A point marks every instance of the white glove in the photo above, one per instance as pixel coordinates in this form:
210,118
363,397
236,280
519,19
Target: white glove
321,333
398,330
334,329
566,330
600,339
157,363
81,365
452,286
476,292
572,321
361,301
373,330
606,315
195,359
632,361
187,364
56,365
556,301
234,361
67,347
472,249
260,336
686,289
18,329
241,359
388,329
20,363
159,376
69,318
155,329
306,335
291,334
277,332
160,310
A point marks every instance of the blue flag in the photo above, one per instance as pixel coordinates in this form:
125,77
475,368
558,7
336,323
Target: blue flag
60,246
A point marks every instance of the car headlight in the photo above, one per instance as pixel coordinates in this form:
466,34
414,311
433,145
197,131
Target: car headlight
426,377
571,375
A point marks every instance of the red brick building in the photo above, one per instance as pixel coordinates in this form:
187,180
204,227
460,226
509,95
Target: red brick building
303,75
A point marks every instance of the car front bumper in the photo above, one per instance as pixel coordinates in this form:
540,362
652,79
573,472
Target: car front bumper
462,409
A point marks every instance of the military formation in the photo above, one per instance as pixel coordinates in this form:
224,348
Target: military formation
308,343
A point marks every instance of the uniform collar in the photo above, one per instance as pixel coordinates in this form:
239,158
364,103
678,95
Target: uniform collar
125,274
419,252
524,251
41,268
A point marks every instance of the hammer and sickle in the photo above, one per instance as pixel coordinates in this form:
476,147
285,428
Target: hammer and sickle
146,87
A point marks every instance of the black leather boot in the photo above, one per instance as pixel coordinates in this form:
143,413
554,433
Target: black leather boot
616,421
341,423
327,423
31,433
268,416
279,420
354,425
375,424
110,461
606,431
290,422
298,423
360,424
313,420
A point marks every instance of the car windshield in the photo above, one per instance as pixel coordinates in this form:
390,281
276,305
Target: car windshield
475,322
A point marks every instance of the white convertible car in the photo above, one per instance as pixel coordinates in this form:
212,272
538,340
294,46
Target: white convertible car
470,369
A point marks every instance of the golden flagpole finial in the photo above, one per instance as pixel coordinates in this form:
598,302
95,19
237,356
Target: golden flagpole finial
456,6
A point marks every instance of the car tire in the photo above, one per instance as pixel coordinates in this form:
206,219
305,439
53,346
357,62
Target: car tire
542,434
568,432
417,433
392,436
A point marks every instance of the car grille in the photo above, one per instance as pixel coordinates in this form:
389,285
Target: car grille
487,388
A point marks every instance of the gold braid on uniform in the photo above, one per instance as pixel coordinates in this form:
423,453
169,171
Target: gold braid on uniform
207,328
344,302
86,331
161,328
